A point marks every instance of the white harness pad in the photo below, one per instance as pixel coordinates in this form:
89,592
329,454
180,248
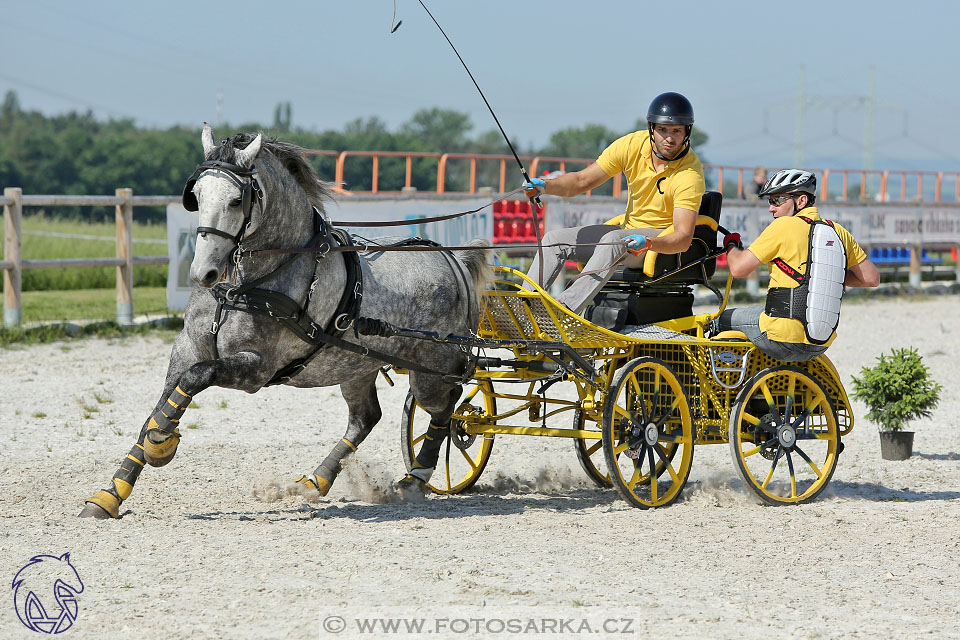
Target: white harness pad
827,269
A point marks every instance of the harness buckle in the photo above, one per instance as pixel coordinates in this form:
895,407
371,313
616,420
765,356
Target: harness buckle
321,252
339,319
357,290
312,334
214,327
313,287
231,294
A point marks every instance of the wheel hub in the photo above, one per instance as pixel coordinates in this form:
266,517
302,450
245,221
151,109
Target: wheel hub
787,436
651,434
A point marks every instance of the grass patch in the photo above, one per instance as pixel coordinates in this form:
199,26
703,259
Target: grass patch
41,240
110,329
88,304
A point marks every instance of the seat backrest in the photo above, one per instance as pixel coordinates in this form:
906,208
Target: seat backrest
704,241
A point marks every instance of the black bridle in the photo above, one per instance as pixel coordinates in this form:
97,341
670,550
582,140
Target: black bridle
245,180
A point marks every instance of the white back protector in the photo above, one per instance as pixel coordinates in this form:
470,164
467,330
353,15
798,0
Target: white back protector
826,270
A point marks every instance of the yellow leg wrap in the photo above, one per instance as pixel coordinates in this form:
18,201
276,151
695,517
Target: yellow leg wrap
107,501
158,454
123,488
315,482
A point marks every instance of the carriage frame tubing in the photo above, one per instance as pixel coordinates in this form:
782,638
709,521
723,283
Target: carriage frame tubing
549,344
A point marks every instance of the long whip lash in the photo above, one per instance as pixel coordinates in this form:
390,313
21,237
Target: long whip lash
535,201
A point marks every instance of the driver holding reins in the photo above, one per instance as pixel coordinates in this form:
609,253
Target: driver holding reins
665,181
811,261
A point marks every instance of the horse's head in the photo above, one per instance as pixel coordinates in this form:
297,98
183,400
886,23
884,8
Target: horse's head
240,179
227,194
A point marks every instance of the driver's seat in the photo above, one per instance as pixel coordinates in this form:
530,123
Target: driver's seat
643,296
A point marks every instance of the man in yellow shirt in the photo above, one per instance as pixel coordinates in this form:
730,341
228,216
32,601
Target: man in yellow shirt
799,320
665,180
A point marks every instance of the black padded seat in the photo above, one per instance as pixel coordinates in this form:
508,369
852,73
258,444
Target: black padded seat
632,297
704,241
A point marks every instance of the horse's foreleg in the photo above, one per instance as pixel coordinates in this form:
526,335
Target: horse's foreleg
439,401
160,435
364,413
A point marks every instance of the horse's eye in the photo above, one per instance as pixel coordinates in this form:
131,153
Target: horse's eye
235,202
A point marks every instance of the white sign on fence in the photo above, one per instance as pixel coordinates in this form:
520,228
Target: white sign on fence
182,229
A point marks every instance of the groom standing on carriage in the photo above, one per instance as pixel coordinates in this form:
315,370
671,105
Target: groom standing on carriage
665,181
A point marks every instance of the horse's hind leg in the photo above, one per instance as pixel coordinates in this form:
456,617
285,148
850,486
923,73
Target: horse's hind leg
364,412
159,436
439,400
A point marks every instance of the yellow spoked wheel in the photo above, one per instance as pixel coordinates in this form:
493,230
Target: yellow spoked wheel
647,433
783,435
462,456
590,453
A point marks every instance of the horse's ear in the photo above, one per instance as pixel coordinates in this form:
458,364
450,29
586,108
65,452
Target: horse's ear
245,157
207,139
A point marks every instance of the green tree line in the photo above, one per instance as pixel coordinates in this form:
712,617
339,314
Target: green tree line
75,153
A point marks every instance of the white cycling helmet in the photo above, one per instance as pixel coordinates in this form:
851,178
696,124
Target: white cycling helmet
790,181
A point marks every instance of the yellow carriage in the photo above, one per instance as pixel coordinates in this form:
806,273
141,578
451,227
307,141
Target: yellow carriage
638,401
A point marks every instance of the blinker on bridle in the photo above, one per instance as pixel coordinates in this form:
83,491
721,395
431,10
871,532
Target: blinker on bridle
245,180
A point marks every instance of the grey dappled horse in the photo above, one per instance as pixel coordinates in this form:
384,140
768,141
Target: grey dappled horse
256,194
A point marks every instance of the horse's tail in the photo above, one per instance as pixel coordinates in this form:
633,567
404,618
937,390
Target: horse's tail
475,260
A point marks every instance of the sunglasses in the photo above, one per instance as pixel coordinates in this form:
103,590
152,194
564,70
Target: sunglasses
776,201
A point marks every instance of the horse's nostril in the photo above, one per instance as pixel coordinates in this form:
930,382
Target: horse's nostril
210,278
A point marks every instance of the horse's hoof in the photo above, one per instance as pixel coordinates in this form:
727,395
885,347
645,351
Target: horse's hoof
412,489
159,447
316,483
103,505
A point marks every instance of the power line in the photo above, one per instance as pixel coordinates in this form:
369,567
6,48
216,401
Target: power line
63,96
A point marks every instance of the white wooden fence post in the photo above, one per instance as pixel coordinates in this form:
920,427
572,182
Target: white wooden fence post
12,277
125,252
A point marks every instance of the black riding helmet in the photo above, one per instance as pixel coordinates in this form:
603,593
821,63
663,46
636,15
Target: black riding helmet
671,108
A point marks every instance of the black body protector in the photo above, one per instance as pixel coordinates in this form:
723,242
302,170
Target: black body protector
816,300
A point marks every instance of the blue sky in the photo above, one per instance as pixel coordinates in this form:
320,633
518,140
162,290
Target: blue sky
542,65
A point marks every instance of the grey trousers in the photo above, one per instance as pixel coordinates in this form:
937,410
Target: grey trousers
579,294
747,320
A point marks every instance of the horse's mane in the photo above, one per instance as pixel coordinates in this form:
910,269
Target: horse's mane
291,156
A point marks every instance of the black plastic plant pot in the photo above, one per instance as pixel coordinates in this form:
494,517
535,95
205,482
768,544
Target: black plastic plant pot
896,445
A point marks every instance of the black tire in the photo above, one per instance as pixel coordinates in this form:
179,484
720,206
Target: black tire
590,455
766,434
647,424
457,469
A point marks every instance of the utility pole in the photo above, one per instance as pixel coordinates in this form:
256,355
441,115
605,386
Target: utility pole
801,115
219,105
869,133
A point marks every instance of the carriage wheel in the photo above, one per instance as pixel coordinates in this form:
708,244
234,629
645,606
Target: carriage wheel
647,433
462,457
590,454
783,435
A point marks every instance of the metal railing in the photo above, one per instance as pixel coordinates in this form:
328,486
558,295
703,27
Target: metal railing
854,184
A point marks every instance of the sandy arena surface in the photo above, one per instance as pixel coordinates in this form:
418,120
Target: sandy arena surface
215,545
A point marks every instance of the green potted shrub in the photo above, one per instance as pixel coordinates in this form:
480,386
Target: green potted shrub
896,390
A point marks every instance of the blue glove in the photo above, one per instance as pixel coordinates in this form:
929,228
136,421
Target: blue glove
535,187
637,243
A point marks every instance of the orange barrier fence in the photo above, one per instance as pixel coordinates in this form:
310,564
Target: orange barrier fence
835,184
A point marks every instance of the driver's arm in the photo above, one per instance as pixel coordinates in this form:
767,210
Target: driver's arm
576,182
684,222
